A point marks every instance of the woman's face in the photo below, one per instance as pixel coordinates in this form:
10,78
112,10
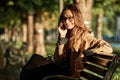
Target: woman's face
68,19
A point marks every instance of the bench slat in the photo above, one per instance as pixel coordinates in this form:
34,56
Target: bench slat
99,60
89,76
109,57
95,68
100,67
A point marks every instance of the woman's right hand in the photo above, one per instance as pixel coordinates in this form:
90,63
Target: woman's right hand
62,30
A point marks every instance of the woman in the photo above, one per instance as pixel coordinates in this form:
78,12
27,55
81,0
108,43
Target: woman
75,41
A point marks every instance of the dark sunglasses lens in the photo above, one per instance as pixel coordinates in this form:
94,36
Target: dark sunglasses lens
69,18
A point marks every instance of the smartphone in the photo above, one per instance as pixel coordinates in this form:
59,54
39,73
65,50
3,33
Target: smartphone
63,26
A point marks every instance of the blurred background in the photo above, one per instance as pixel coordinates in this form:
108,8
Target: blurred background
29,26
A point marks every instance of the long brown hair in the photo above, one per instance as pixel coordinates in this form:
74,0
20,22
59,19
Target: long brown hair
77,34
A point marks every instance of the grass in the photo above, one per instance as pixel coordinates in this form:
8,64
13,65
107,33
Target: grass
116,74
50,49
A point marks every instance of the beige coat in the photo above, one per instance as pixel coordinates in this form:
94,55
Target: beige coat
89,43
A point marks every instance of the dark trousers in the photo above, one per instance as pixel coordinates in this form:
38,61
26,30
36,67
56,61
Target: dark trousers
33,70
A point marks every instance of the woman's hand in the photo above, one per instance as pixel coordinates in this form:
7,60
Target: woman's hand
62,30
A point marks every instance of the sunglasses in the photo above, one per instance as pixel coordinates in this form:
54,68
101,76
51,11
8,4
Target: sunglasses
70,18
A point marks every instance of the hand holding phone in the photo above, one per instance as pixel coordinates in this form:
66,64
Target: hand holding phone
62,30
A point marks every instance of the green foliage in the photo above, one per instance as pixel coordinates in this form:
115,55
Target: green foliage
116,74
11,10
68,1
8,12
107,32
109,8
50,48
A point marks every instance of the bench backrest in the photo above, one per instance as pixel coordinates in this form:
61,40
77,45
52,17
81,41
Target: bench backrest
100,67
96,67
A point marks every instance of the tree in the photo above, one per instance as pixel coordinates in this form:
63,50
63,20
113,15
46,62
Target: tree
39,35
61,5
30,32
7,22
86,7
104,8
24,28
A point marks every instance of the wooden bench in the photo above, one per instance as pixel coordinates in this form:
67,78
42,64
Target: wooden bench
100,67
96,67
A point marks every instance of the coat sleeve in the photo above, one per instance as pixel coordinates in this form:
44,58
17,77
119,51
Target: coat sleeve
59,54
96,45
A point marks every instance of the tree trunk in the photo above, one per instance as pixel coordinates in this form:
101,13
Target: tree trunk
24,28
30,33
7,33
85,6
14,33
99,27
39,37
117,30
60,5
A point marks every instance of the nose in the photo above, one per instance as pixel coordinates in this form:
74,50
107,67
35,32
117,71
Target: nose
67,21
